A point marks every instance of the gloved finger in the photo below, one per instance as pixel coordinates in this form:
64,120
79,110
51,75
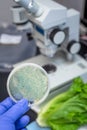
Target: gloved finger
15,112
22,122
5,105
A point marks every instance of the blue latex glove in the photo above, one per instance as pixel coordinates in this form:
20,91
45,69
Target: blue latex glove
12,115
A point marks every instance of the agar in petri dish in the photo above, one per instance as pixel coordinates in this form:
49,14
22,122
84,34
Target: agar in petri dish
29,81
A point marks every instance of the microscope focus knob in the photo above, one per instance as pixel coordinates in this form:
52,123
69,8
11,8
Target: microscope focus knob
57,36
74,47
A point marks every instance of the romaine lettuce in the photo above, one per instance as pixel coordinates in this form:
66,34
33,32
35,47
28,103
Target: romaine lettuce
67,111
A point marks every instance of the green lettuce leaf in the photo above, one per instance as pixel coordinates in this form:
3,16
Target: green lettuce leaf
67,111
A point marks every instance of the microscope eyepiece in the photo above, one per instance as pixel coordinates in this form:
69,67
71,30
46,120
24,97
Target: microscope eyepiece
31,6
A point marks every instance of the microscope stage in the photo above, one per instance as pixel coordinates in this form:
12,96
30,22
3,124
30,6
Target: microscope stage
65,70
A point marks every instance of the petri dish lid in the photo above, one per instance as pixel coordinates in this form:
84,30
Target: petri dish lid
29,81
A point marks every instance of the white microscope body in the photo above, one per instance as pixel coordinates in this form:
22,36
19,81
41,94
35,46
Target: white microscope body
54,26
56,30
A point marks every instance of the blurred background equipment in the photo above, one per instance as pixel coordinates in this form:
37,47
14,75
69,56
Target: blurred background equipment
15,46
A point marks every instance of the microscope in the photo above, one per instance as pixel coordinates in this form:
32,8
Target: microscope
56,31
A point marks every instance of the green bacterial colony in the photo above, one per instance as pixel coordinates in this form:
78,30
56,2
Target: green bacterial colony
28,82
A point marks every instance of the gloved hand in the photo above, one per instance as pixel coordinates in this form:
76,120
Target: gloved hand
11,115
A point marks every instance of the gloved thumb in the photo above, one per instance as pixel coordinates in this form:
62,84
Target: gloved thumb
15,112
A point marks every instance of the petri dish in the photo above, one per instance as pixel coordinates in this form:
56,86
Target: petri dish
29,81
